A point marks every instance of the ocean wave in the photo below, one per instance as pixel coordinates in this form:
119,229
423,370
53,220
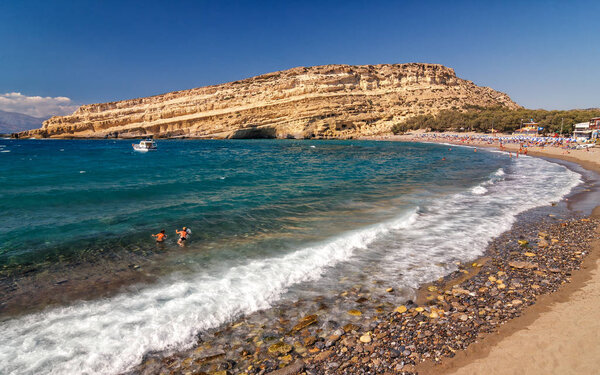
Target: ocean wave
479,190
458,228
112,335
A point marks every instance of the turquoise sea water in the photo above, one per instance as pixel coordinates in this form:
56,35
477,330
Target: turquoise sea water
272,221
74,199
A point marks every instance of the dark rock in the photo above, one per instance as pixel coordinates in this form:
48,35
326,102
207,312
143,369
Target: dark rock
294,368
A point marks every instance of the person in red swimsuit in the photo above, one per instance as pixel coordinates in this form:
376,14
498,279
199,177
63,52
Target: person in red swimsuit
182,236
160,237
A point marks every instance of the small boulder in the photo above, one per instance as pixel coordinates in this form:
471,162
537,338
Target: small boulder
280,348
366,338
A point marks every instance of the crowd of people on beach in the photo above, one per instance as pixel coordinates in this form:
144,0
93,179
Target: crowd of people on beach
524,142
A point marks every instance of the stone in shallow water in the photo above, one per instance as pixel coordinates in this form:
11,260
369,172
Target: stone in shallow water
520,265
280,347
294,368
305,322
207,355
354,313
308,341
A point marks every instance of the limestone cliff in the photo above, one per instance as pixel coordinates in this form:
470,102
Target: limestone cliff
327,101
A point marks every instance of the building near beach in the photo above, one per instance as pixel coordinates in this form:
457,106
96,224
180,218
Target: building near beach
587,130
529,128
595,128
581,131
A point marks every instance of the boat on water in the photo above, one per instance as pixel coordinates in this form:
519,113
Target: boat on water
145,145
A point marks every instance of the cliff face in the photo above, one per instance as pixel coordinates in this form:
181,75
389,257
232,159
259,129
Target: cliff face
338,101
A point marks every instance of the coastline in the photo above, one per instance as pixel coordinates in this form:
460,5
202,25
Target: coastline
417,337
549,336
372,342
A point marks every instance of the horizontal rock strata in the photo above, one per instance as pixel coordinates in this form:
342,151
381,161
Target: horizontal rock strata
330,101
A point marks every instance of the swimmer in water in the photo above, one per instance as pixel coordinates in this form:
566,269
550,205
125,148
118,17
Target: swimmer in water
160,237
182,236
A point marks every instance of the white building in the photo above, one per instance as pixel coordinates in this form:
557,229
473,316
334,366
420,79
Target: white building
582,131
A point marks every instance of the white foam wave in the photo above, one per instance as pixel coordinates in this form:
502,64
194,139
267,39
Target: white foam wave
112,335
479,190
459,228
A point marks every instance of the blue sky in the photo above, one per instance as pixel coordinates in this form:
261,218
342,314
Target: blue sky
543,54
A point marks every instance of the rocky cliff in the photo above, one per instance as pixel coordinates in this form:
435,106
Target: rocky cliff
327,101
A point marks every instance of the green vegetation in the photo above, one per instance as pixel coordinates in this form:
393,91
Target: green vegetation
480,119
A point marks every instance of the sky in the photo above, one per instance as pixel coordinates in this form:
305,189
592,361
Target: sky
56,55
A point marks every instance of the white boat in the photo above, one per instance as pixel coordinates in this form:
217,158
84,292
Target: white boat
145,145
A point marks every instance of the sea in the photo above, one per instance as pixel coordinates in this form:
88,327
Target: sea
87,290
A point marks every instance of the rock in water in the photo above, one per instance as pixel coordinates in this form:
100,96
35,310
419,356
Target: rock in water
280,347
305,322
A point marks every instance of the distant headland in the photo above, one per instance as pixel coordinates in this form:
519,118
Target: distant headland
329,101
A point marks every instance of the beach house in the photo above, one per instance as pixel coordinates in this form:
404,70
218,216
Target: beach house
594,128
587,130
581,131
529,128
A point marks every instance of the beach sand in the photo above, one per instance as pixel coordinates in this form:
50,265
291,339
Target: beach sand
542,323
557,335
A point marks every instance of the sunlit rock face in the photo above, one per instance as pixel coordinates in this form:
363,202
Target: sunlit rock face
329,101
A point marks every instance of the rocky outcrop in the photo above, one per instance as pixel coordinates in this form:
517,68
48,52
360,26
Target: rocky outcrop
330,101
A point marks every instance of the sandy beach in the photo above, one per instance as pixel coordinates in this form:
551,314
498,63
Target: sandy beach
526,306
531,274
557,335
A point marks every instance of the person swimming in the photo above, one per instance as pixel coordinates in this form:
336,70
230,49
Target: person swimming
183,234
160,237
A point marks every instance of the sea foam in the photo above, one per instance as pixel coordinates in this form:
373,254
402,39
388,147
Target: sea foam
112,335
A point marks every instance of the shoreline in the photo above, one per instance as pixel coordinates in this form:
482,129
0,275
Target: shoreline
368,336
412,328
491,350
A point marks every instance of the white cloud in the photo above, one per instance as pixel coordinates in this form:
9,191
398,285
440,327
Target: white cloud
36,106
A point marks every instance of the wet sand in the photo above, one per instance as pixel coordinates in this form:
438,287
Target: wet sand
557,335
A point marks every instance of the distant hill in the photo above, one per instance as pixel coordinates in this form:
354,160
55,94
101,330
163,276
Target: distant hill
329,101
12,122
